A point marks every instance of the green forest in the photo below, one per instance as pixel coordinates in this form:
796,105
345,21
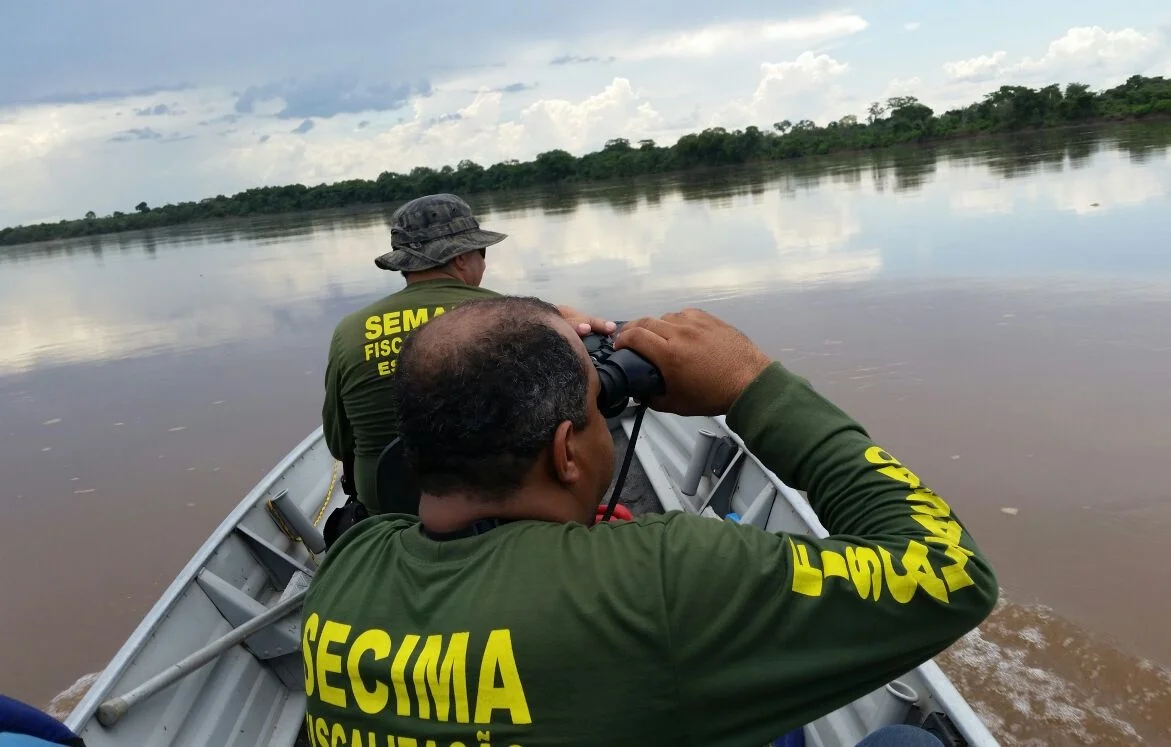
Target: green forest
898,120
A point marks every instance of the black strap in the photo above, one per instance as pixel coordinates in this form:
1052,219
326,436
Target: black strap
347,479
341,519
617,492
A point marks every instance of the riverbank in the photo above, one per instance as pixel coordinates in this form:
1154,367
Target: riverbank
907,166
901,121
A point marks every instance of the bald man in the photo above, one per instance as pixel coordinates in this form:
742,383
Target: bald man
502,614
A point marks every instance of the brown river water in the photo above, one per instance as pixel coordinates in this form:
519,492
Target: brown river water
996,312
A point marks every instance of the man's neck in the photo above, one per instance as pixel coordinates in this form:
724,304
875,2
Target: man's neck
437,274
451,513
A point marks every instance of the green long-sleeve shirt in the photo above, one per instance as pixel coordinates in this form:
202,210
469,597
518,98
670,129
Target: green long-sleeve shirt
357,416
671,629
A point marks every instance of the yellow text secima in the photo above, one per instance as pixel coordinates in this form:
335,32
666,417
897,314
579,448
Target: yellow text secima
368,671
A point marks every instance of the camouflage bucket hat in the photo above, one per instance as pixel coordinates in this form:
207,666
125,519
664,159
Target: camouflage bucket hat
430,231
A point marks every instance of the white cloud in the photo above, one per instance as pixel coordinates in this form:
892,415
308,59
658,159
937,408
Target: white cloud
1093,47
805,72
1078,51
60,160
805,80
711,40
984,67
912,26
618,111
803,88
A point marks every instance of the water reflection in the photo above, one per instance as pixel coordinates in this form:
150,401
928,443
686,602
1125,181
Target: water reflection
1050,205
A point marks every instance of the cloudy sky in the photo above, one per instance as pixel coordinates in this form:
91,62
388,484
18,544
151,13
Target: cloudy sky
103,105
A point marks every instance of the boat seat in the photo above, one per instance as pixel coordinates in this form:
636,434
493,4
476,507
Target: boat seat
22,725
12,739
395,488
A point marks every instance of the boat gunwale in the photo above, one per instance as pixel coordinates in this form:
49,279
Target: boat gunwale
87,707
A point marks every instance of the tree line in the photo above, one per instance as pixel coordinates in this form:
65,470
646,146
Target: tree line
903,170
898,120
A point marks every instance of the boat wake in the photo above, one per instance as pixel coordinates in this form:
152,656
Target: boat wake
63,704
1037,679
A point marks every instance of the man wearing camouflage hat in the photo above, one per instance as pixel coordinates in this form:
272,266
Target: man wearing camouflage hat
439,247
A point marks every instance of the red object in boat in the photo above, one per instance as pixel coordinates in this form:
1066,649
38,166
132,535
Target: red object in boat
621,513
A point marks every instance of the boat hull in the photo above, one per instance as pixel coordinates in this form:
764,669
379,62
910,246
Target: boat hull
251,694
236,700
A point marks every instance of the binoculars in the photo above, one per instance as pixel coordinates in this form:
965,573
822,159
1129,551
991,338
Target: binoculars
624,375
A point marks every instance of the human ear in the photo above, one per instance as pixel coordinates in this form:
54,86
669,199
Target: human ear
566,454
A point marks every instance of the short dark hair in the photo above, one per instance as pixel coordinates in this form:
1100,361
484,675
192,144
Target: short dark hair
479,391
407,273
